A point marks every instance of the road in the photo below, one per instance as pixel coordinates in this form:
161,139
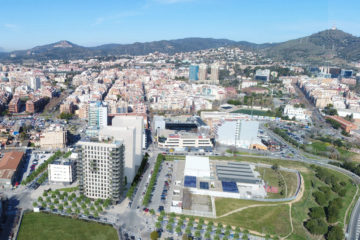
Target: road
353,228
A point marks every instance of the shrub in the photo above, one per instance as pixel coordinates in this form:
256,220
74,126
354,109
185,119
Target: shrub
320,198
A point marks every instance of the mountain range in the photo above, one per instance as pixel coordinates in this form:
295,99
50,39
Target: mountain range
319,47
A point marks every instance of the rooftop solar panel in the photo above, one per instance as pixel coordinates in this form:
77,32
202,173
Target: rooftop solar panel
204,185
190,181
229,187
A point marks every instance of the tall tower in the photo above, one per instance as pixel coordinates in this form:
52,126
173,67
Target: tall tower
202,72
100,169
35,83
98,114
214,73
193,73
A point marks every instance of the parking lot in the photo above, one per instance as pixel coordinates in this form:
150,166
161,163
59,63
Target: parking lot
35,160
161,191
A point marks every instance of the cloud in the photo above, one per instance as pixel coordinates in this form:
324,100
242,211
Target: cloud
116,17
10,26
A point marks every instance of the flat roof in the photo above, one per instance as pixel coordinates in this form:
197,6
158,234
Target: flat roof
197,163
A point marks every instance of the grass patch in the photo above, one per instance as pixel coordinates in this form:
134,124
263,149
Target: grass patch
225,205
268,219
43,226
174,157
254,112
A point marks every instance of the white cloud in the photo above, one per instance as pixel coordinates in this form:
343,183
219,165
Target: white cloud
10,26
116,17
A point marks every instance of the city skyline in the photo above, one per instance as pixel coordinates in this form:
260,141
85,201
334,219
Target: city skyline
93,24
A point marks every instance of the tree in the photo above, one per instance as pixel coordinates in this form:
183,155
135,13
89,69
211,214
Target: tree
56,201
73,204
188,230
154,235
61,207
86,212
178,230
169,227
207,235
96,214
316,226
100,209
197,234
275,167
68,211
52,207
317,212
158,225
335,233
40,199
77,210
43,205
35,204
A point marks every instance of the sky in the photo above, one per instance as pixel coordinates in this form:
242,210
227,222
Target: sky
28,23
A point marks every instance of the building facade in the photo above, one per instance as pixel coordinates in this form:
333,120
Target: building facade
193,73
98,114
100,169
53,138
61,172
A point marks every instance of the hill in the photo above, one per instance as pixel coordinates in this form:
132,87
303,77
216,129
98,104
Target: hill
321,46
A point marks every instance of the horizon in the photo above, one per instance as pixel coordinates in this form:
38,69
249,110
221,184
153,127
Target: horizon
92,23
74,43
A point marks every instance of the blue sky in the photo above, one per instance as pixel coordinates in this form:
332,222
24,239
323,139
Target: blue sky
28,23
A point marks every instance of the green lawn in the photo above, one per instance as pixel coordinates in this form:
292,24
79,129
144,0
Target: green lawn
268,222
225,205
43,226
269,219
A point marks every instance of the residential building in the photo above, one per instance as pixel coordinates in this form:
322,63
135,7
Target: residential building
297,113
100,169
193,73
35,83
10,168
98,114
15,105
55,137
214,77
202,72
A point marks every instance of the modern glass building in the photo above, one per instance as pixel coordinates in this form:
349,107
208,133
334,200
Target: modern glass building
193,73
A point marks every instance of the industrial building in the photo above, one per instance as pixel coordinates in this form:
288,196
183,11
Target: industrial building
10,165
239,133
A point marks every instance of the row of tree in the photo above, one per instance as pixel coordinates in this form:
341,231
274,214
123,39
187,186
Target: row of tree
160,158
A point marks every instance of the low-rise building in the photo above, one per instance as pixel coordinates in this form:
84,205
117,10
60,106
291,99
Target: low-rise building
10,165
61,171
183,140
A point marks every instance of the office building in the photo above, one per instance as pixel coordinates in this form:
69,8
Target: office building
202,72
98,114
128,136
100,169
193,73
62,171
169,139
262,75
136,122
35,83
346,73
